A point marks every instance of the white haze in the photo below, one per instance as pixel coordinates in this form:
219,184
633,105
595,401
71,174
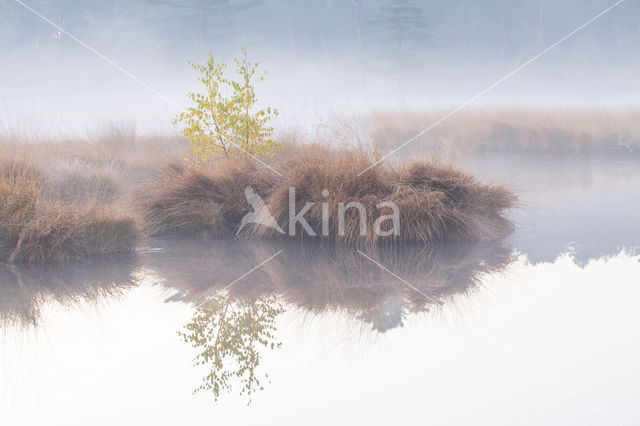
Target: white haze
52,86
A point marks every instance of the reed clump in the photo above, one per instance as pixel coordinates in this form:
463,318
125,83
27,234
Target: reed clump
435,203
208,200
84,199
35,228
68,233
18,206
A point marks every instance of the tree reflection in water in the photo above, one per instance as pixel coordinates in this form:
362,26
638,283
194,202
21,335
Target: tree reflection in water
231,328
234,327
229,334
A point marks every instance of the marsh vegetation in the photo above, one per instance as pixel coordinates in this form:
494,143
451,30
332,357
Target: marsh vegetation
103,195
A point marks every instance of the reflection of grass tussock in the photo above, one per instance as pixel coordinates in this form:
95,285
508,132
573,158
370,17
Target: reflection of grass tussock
24,292
514,132
319,277
435,203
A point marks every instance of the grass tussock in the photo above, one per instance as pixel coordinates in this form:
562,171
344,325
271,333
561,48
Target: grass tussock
18,206
207,200
72,199
99,188
67,233
435,203
37,229
80,199
103,168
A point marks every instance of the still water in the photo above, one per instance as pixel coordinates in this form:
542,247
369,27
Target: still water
541,328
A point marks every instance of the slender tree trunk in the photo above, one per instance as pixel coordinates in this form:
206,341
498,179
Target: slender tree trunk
447,37
618,38
540,21
356,13
471,33
201,27
504,34
291,36
325,48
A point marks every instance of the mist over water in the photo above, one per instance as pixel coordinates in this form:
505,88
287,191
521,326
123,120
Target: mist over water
323,58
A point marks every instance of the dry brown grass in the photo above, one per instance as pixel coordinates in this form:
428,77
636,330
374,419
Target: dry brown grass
35,229
72,233
71,199
63,198
103,168
207,200
436,203
530,132
97,188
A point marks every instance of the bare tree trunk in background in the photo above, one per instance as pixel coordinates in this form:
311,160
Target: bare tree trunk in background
400,44
618,38
447,40
540,21
504,35
325,48
291,36
263,37
471,33
236,26
356,13
200,27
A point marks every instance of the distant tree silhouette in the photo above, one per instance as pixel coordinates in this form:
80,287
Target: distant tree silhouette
405,24
209,19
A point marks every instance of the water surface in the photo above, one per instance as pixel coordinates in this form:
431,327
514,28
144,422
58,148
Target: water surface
540,328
